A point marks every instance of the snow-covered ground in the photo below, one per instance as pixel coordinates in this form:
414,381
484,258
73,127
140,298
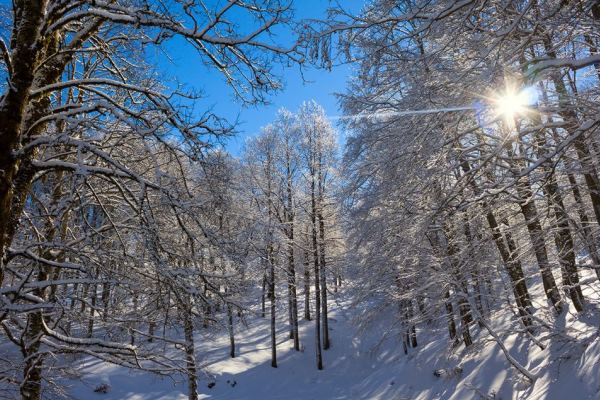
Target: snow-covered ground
355,369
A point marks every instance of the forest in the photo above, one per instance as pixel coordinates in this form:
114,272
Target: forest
437,236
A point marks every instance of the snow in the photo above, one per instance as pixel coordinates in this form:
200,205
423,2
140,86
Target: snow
358,366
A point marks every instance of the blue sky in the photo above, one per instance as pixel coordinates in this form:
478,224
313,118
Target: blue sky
318,84
181,62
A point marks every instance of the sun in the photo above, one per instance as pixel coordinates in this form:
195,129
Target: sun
512,103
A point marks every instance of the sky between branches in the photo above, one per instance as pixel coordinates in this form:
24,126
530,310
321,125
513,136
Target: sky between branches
309,84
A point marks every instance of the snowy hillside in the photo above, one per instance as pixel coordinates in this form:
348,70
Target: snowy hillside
358,366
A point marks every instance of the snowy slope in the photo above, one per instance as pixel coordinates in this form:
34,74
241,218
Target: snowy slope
354,369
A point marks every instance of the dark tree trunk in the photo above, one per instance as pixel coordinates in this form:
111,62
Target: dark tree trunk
105,300
263,296
190,356
412,330
323,281
461,289
586,229
322,259
536,235
231,331
306,285
564,242
315,249
450,316
509,254
476,272
31,388
25,46
93,297
292,287
272,302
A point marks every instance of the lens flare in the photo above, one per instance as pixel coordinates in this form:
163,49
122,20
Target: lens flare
513,103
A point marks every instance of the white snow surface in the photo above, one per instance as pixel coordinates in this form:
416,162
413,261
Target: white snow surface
355,368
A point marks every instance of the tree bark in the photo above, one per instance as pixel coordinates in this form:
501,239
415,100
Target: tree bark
190,356
536,236
25,46
292,287
323,281
315,249
563,238
475,273
231,331
586,230
461,289
322,259
450,315
509,254
307,282
564,241
273,306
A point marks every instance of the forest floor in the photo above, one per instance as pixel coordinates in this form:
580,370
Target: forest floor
361,366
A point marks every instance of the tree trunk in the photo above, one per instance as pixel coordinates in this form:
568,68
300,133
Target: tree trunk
25,52
475,273
461,289
292,287
323,282
271,261
450,316
322,260
105,300
564,241
93,296
294,299
536,235
586,230
306,284
263,307
190,356
31,388
231,331
508,252
412,330
316,276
